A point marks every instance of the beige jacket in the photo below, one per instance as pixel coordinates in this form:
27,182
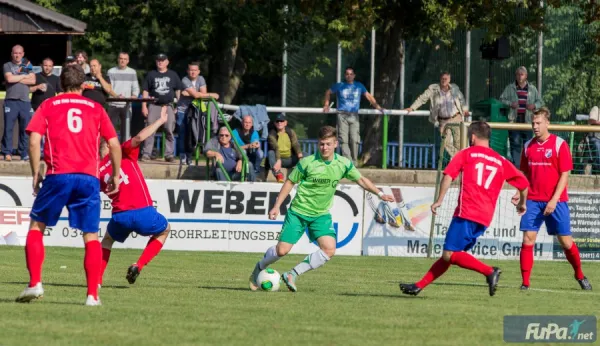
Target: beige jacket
432,94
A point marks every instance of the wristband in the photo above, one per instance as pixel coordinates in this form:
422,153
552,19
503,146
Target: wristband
380,194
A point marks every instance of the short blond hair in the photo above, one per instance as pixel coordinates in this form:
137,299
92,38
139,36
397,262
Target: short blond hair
542,111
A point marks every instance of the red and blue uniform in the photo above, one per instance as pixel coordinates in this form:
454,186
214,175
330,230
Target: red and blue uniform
483,175
132,205
543,163
72,126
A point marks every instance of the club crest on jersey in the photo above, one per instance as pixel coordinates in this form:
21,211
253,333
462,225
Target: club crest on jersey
548,153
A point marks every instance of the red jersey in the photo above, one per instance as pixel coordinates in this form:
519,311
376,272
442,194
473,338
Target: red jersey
133,191
483,175
72,126
543,163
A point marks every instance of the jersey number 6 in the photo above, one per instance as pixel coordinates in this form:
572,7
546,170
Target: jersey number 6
74,121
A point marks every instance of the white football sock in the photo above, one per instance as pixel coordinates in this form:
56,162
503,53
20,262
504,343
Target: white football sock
312,261
270,257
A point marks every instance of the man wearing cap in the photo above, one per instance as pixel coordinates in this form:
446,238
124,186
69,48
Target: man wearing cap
164,86
70,60
16,103
284,148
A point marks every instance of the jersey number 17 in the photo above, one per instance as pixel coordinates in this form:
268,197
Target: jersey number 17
480,168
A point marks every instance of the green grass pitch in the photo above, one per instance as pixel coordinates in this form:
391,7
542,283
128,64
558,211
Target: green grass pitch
202,298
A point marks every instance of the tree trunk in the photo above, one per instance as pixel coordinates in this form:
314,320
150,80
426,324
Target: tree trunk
226,74
385,89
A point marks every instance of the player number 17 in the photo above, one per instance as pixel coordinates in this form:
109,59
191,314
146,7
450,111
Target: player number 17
480,167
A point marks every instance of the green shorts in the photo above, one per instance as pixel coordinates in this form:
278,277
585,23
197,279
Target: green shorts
295,224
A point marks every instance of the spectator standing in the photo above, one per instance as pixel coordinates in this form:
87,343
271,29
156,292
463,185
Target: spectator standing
194,88
124,83
96,86
447,106
164,85
348,97
284,148
82,60
248,139
523,98
222,150
46,85
70,60
17,105
594,139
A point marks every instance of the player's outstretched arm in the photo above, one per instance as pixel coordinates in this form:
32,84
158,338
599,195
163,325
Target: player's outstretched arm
283,193
114,150
444,186
368,185
150,129
35,140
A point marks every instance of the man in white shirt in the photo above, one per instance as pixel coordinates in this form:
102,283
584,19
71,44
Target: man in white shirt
124,82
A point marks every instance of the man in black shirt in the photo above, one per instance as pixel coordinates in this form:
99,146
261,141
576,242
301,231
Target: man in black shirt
46,85
164,85
96,87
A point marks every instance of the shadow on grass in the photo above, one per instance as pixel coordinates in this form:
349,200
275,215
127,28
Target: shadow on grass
379,295
65,285
38,301
219,288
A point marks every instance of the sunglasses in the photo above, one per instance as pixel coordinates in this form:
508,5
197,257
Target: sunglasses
279,121
223,135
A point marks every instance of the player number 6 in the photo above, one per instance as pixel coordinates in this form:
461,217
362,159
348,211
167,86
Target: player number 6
74,121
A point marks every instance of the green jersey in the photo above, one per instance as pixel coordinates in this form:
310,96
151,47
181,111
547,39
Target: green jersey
317,179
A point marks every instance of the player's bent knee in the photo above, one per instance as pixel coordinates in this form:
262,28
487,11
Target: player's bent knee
529,237
162,237
283,248
107,241
447,256
330,252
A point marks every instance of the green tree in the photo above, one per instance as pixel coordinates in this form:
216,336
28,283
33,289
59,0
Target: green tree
429,21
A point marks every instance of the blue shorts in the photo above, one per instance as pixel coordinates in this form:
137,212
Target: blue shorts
557,223
462,234
145,221
80,193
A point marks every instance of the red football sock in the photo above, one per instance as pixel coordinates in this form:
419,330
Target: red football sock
152,249
573,258
467,261
437,269
105,258
526,262
34,255
92,262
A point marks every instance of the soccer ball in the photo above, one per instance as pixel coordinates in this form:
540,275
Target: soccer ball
269,280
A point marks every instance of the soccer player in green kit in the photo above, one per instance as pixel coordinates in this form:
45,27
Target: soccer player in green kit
317,176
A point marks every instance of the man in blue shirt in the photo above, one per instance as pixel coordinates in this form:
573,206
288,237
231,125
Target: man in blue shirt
248,139
348,97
